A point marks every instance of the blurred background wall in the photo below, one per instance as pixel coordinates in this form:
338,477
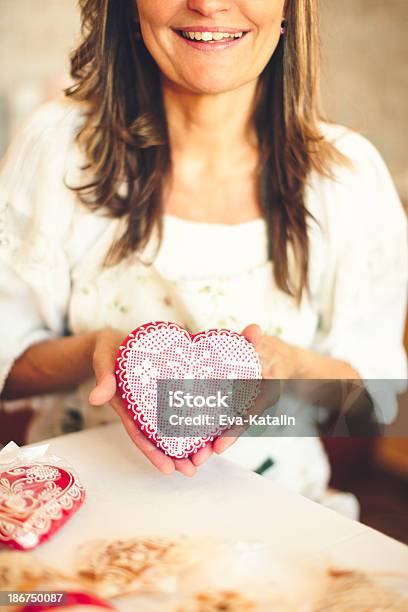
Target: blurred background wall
36,37
365,66
365,74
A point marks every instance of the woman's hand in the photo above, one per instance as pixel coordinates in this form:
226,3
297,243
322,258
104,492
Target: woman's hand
279,360
283,361
105,349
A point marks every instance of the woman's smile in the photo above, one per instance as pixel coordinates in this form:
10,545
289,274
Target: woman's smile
211,38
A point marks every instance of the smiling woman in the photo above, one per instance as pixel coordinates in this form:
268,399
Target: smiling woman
190,176
134,83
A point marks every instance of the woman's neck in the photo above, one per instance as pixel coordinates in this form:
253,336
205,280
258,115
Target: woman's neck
210,131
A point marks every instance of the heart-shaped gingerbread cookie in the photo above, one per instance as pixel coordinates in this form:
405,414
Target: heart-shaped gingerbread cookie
35,501
216,359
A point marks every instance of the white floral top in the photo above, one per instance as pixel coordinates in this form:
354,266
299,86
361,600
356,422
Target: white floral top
204,275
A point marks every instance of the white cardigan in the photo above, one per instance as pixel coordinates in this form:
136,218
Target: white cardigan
204,275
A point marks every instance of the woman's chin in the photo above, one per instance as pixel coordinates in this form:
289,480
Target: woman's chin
210,84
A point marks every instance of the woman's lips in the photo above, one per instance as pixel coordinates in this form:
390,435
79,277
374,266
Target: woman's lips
210,39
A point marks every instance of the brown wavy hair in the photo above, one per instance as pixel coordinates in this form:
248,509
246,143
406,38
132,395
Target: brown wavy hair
125,138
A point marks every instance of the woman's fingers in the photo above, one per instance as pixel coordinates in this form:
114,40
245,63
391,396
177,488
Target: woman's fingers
106,348
162,462
202,455
223,442
253,333
227,439
166,465
185,466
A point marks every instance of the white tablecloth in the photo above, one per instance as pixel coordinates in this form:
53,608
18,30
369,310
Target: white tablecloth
126,496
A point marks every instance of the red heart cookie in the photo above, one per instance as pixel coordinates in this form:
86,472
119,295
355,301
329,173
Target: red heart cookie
166,351
35,501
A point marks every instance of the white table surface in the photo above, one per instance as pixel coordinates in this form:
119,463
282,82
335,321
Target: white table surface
127,497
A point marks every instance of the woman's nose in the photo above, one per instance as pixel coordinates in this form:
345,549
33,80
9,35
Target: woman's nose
208,8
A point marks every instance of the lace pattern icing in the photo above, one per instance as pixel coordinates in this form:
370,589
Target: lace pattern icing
163,350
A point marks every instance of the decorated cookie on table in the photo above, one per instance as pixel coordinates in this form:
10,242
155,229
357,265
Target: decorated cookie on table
39,493
208,362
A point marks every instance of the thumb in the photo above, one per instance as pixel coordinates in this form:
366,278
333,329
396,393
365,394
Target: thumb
104,367
253,333
103,391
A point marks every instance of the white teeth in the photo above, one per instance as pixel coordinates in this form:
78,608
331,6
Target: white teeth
211,36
